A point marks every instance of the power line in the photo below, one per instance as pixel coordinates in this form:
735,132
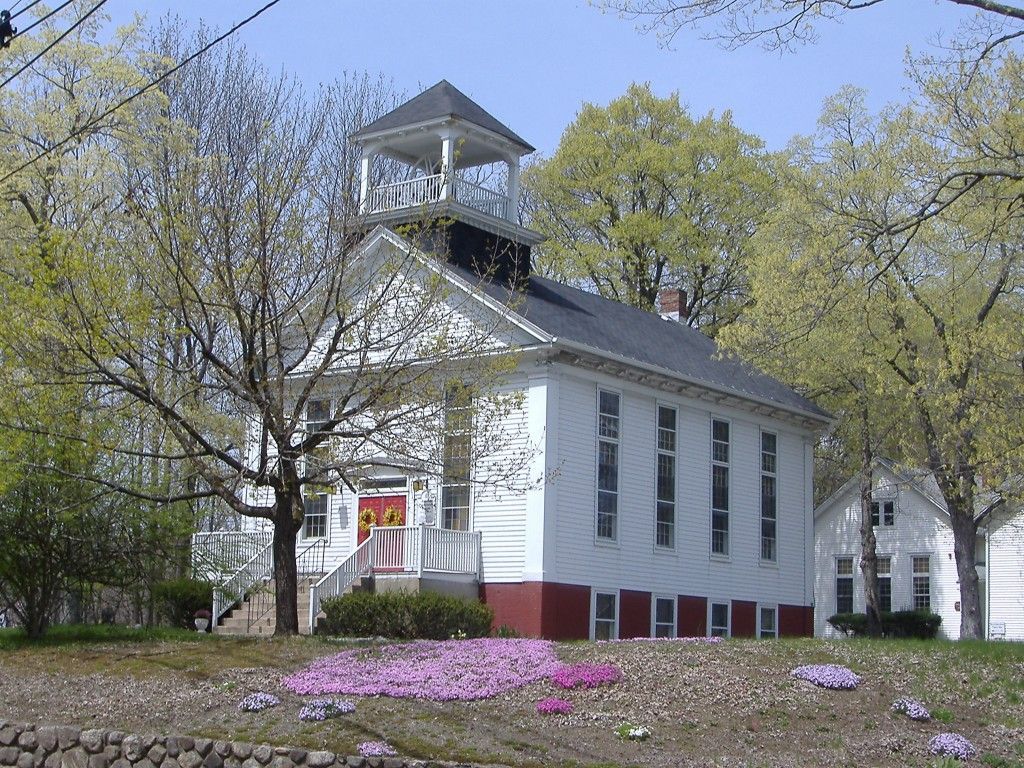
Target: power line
28,7
64,34
39,21
152,84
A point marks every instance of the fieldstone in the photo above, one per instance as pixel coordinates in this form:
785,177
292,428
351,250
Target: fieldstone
190,759
157,753
92,740
26,760
145,763
120,763
67,736
99,760
281,761
53,759
9,755
172,748
213,760
241,749
75,758
375,762
114,738
394,762
46,736
355,761
297,755
28,740
263,753
203,746
168,763
251,763
8,735
319,759
222,748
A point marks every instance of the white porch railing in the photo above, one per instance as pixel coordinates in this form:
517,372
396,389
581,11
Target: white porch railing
417,549
219,554
424,190
233,589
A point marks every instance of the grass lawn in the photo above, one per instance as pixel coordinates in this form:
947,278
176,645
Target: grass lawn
727,704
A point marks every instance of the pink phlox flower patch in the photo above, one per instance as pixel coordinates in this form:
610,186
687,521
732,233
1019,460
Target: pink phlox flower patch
831,676
554,706
439,670
376,749
951,745
586,675
701,640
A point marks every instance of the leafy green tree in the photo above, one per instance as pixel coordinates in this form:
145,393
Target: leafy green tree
640,196
930,312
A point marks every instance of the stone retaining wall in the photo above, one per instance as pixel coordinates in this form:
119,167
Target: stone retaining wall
63,746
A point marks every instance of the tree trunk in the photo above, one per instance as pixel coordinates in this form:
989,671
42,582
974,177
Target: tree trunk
965,537
286,579
868,556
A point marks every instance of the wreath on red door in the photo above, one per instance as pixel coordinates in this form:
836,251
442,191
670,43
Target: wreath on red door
367,519
392,516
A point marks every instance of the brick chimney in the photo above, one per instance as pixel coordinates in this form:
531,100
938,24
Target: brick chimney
672,304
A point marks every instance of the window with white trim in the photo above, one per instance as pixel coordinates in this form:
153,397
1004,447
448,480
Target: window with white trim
719,623
844,585
883,566
665,533
719,487
664,617
456,460
922,589
606,616
608,427
769,495
318,413
314,523
883,512
768,626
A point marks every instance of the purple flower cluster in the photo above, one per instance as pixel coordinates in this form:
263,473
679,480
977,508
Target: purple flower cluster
912,708
376,749
554,706
257,702
586,675
323,709
951,745
439,670
831,676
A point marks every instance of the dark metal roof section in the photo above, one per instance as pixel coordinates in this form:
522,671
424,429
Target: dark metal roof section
438,102
610,326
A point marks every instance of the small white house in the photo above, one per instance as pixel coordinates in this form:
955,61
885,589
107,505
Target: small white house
678,493
916,566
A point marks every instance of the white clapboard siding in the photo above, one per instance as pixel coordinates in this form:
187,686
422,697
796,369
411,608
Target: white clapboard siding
921,528
634,562
1005,582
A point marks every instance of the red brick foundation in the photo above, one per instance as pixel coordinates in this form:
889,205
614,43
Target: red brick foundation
541,609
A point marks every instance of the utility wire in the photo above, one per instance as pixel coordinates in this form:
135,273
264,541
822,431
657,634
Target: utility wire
39,21
50,47
28,7
135,94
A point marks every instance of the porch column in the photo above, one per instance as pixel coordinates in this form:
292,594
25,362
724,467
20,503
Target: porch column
366,164
447,165
513,188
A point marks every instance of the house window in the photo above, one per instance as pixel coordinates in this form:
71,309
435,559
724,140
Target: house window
607,465
719,487
769,494
314,524
666,477
768,625
605,616
922,583
883,512
844,585
664,617
318,413
884,569
719,620
455,471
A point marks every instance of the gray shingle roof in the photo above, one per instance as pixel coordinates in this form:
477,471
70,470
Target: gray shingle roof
440,101
609,326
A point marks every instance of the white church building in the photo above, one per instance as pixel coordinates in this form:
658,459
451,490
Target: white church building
678,491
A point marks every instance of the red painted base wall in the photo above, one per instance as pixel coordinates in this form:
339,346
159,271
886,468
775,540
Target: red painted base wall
796,621
693,616
744,618
634,614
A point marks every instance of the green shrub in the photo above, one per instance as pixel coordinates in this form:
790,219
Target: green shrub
916,624
403,615
178,600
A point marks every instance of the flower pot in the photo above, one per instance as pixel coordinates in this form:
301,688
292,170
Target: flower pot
202,624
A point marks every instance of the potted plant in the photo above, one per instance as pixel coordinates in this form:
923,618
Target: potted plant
202,619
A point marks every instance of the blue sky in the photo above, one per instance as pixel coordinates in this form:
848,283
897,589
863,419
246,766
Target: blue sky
532,63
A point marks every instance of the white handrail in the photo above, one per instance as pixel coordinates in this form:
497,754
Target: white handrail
234,587
405,194
481,198
216,554
353,567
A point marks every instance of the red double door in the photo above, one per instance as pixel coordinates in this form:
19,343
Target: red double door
387,512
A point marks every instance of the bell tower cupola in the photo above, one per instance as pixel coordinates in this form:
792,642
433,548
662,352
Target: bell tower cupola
440,141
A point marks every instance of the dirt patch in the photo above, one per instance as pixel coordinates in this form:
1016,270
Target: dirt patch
732,704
